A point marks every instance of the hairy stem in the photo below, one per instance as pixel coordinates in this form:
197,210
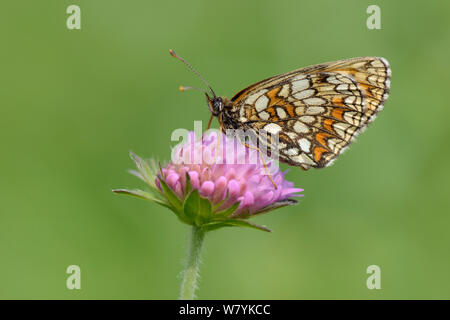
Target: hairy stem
190,273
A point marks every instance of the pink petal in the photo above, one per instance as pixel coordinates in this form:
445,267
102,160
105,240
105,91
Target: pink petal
193,175
207,188
291,192
206,174
178,190
248,200
233,188
230,174
172,180
220,189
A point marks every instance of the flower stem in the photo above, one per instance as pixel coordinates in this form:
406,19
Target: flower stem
190,273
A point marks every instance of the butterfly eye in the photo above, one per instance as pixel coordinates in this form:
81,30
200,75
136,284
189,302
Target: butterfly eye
218,105
215,105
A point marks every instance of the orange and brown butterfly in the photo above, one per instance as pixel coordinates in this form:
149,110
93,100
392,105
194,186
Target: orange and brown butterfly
317,111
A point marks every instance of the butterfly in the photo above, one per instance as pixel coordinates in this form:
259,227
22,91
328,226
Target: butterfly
316,111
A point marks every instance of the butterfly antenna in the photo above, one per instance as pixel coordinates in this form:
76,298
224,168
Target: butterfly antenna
173,54
183,88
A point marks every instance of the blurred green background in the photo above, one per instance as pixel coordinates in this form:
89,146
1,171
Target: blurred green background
74,102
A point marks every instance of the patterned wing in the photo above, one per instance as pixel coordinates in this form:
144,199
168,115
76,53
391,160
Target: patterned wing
317,111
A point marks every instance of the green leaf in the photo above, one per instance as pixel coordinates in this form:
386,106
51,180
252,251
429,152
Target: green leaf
153,166
233,223
276,205
217,205
148,196
171,197
147,174
141,195
197,209
188,184
227,212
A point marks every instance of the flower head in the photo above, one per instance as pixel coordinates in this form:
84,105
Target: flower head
216,181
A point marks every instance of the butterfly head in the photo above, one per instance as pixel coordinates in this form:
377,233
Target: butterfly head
215,104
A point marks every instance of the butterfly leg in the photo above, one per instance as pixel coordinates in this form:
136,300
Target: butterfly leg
219,137
209,122
263,161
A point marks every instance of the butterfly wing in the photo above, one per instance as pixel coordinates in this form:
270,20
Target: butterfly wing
318,110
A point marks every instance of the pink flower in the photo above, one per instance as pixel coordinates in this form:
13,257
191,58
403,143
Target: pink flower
214,182
224,174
